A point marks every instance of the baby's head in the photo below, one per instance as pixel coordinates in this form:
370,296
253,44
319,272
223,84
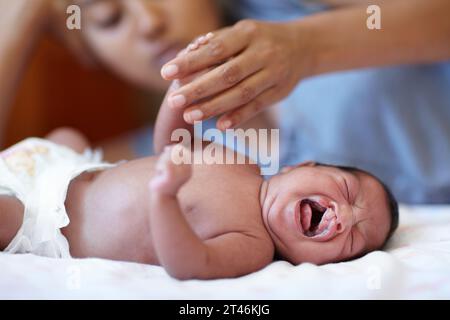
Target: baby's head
320,213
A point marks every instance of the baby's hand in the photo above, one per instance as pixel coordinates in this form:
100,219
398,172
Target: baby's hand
170,173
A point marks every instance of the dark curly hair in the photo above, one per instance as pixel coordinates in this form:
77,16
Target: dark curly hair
390,199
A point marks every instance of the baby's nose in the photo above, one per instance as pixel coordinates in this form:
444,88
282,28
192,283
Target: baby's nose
344,221
339,227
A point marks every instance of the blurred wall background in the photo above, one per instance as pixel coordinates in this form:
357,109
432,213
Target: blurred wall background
58,91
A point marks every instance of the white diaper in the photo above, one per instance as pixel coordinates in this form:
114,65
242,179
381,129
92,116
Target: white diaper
38,173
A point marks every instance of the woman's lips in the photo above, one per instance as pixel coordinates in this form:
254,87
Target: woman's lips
165,54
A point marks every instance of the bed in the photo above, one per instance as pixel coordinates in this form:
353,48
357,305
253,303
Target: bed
416,265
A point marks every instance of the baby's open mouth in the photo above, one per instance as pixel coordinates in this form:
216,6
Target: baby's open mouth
317,221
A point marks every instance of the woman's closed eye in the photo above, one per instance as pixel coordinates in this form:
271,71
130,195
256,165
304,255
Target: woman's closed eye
112,20
106,14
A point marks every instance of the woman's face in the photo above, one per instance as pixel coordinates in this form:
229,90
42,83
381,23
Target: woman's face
135,38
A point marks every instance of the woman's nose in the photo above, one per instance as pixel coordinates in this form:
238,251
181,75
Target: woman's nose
150,19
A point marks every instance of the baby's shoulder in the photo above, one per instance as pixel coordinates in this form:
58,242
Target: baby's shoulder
236,183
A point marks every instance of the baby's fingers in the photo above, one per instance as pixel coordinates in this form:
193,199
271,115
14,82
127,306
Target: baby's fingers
170,173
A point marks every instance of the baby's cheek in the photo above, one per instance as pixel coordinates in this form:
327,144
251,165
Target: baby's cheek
331,251
303,252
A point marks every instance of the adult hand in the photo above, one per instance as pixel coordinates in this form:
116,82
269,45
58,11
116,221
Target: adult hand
255,65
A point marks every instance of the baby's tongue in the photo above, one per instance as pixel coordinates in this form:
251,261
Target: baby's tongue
326,219
305,215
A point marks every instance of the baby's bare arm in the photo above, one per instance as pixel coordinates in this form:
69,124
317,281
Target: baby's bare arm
185,256
180,251
167,121
169,118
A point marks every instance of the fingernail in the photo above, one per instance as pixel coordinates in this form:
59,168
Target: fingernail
177,101
202,40
194,115
193,46
209,35
169,70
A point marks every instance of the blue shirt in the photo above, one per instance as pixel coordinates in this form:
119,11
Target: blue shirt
393,122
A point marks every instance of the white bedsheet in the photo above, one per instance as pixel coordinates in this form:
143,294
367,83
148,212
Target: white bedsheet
416,265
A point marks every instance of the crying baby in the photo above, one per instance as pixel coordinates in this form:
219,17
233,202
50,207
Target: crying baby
200,221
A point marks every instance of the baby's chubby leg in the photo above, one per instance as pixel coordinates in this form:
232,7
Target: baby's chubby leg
70,138
11,209
11,217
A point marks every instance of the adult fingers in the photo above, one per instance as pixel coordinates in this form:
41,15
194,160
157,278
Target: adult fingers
217,80
222,45
248,111
240,95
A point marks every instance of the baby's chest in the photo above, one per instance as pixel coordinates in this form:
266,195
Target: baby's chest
211,211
